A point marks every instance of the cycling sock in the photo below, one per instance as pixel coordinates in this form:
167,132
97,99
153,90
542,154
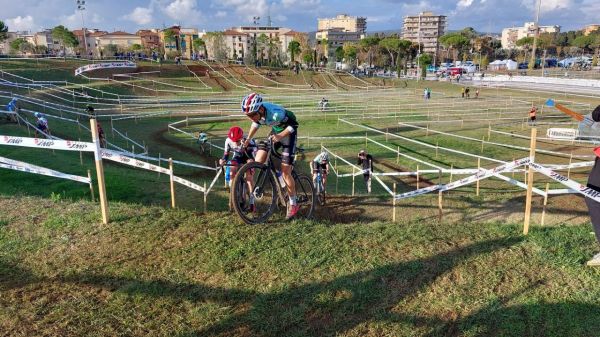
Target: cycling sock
293,201
251,199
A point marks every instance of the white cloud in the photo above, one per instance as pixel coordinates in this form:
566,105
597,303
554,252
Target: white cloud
21,23
300,3
280,18
246,9
464,3
183,10
140,15
220,14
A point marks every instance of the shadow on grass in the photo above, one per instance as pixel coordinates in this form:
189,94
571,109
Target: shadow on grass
333,307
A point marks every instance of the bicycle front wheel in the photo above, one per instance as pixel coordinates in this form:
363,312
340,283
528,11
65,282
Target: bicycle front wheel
254,193
305,195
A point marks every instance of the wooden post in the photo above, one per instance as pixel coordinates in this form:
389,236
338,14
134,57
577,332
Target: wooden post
205,197
387,130
436,148
545,204
489,130
440,209
112,128
99,171
417,176
477,183
570,161
366,138
394,205
398,156
172,182
353,169
91,185
529,182
513,172
308,139
80,156
451,171
482,140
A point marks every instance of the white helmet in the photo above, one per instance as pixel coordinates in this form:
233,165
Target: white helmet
251,103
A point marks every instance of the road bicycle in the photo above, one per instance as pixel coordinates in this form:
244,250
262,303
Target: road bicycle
256,204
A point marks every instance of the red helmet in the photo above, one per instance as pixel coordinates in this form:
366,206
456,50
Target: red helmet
235,133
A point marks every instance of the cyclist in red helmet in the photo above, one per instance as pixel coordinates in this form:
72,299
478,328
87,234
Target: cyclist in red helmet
239,155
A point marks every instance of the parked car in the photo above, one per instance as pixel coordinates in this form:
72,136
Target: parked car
523,65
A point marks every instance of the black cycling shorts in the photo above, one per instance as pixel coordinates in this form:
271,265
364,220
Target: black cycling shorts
288,146
319,167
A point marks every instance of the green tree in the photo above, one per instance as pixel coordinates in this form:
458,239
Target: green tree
455,42
3,31
583,42
294,49
262,43
217,41
350,51
200,44
136,47
21,45
424,61
65,37
307,58
369,44
392,46
339,53
170,36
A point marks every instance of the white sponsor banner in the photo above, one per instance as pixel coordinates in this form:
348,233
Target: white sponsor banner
120,158
482,174
573,185
29,168
104,65
52,144
562,133
188,184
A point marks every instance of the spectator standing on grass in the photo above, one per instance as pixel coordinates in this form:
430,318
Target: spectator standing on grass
462,92
591,121
366,161
532,115
477,93
468,92
425,94
428,93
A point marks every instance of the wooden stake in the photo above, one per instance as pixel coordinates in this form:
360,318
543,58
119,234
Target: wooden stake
398,156
545,204
477,183
436,149
394,205
353,176
80,156
387,130
205,197
570,161
172,182
482,140
99,171
91,185
417,176
440,208
529,182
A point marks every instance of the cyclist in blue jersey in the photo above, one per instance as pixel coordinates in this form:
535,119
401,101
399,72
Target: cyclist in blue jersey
284,130
320,163
13,106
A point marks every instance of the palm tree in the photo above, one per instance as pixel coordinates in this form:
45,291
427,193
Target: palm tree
294,49
199,43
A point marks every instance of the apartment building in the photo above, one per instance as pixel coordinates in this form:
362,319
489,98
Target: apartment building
344,23
587,30
122,40
44,38
510,36
240,40
425,28
150,38
183,41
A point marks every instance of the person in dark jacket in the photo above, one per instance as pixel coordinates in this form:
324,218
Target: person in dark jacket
594,183
366,161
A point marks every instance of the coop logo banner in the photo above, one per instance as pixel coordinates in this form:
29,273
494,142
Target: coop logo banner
105,65
42,143
586,191
121,158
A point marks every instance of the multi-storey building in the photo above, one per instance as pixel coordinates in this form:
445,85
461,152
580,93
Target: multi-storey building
587,30
344,23
510,36
240,40
150,38
183,40
122,40
44,38
425,28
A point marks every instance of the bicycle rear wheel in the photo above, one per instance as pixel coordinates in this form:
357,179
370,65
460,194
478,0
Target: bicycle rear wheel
305,195
262,196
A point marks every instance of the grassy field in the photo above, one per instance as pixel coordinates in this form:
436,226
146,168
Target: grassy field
351,271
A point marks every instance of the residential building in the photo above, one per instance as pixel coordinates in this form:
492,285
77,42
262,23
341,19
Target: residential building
123,41
11,36
510,36
426,29
343,23
90,41
183,40
150,38
240,40
587,30
44,38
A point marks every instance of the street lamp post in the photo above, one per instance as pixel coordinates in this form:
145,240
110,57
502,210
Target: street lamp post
256,21
535,36
81,9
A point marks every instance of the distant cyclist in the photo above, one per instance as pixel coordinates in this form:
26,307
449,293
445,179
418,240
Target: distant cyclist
13,106
41,124
202,140
366,161
284,127
323,103
237,155
320,163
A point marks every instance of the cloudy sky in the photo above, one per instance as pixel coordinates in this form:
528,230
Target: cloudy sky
301,15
